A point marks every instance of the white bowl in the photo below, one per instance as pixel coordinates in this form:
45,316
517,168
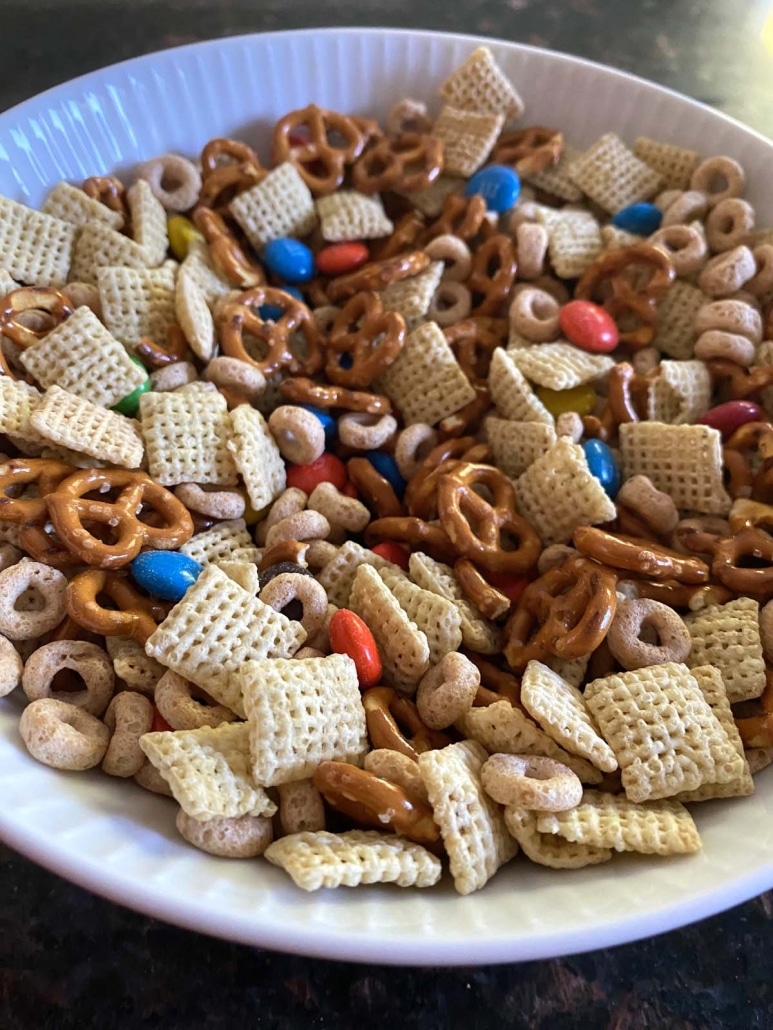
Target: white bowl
120,841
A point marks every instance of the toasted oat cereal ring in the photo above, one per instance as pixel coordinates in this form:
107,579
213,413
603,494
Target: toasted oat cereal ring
730,222
186,706
408,115
762,282
299,434
686,206
397,768
29,313
633,619
730,316
303,525
245,836
643,557
341,511
725,346
48,583
685,246
62,735
284,589
766,631
531,781
653,506
534,313
719,178
364,432
174,181
11,667
236,375
149,778
455,251
412,446
450,303
88,661
301,808
383,708
135,616
447,691
129,715
173,376
219,503
728,272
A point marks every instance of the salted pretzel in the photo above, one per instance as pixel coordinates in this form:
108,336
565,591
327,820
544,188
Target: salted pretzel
464,217
375,489
72,507
640,556
528,150
407,163
154,356
300,390
474,344
494,265
108,191
748,456
731,559
223,152
421,492
242,317
487,599
404,237
377,275
468,418
495,683
228,168
757,730
27,314
418,534
226,253
386,711
743,382
370,337
44,474
681,595
135,616
566,612
303,138
477,528
629,282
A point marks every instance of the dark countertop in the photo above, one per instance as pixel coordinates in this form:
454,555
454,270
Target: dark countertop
71,960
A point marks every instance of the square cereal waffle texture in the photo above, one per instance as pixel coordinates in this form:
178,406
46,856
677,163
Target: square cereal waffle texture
436,617
468,138
98,246
18,400
573,245
131,664
337,577
243,573
556,179
138,302
75,423
478,634
479,84
349,215
727,636
515,445
412,297
198,267
256,456
676,334
69,204
148,219
680,394
546,848
280,205
613,176
511,393
193,315
431,199
36,247
219,542
560,366
673,163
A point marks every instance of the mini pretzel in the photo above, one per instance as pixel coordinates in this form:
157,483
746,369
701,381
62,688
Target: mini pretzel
17,580
632,618
71,508
370,337
305,391
530,150
728,567
108,191
468,418
494,266
44,474
288,587
744,383
495,683
531,781
489,601
417,533
90,663
228,167
386,711
461,216
129,715
474,345
63,736
320,162
241,317
404,237
408,115
29,313
407,163
679,595
421,493
447,691
177,701
154,356
757,731
377,275
135,616
645,558
225,251
377,491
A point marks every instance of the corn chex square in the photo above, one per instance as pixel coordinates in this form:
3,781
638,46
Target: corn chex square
426,382
279,205
79,425
403,647
515,445
511,393
727,636
302,711
148,219
471,824
208,770
468,138
613,176
349,215
431,199
546,848
219,542
558,493
479,84
613,821
680,394
69,204
186,434
323,859
664,733
556,179
217,627
81,356
98,246
478,634
18,400
198,268
256,456
560,366
683,461
193,315
436,617
676,333
337,577
138,302
674,164
35,248
573,245
412,297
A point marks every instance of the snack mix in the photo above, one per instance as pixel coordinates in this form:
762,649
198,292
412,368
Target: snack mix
404,503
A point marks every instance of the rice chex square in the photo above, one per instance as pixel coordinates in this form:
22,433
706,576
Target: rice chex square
549,849
35,248
467,137
727,636
479,84
256,456
79,425
613,176
279,205
138,302
69,204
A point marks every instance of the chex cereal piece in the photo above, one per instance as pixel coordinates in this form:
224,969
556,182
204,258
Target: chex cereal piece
571,669
479,84
680,393
138,302
560,366
467,137
279,205
81,356
664,734
256,456
130,664
79,425
198,267
477,633
503,729
426,382
69,204
676,335
558,493
512,394
546,848
323,859
411,297
556,179
7,282
683,461
573,245
471,824
349,215
148,219
713,689
216,627
302,711
515,445
614,821
673,163
727,636
430,200
612,175
438,618
17,402
208,770
560,710
35,248
337,577
244,573
186,433
193,314
218,543
403,647
612,237
98,246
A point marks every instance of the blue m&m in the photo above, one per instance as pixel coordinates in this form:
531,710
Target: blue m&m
289,259
329,424
602,465
499,186
641,219
165,574
386,465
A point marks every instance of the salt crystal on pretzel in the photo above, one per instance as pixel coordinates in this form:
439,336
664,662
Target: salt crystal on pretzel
216,627
613,821
676,334
82,356
664,733
556,179
138,302
412,297
130,664
218,543
148,219
323,859
302,712
558,493
479,84
612,175
438,618
673,163
35,248
280,205
682,461
79,425
680,393
98,246
337,577
403,647
560,366
198,267
478,633
256,456
516,445
426,382
511,393
349,215
208,770
546,848
468,138
727,636
186,433
69,204
471,824
573,245
193,315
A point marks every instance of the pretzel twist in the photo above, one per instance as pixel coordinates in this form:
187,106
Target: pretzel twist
135,616
370,336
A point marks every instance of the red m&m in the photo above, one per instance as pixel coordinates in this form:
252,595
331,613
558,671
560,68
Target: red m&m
340,258
326,469
588,326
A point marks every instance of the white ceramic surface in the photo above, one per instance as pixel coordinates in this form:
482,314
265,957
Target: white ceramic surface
120,841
